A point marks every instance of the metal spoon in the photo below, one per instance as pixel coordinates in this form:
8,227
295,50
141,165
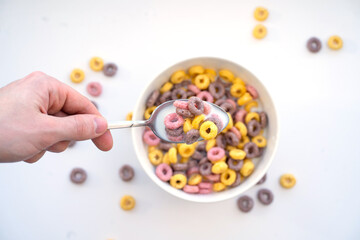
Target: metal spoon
156,121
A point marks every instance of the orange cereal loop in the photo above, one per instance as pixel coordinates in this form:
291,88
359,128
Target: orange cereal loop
335,42
77,75
259,31
261,13
96,64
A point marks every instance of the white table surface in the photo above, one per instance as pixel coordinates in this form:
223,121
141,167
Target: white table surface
317,97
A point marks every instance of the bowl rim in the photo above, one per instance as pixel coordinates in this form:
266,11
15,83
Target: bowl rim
220,196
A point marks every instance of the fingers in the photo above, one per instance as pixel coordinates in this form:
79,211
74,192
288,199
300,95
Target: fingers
58,147
35,158
104,142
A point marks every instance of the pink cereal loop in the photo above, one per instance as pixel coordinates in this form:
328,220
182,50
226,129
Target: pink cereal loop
147,129
240,115
173,121
94,89
192,170
193,88
252,91
213,177
232,102
150,138
191,189
164,172
205,96
205,191
207,185
236,132
176,139
207,108
215,154
181,104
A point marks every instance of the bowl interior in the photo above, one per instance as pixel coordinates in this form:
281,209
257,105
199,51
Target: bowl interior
265,102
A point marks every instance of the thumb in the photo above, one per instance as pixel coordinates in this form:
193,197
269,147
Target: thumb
79,127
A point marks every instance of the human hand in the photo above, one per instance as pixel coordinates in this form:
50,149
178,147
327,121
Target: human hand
39,113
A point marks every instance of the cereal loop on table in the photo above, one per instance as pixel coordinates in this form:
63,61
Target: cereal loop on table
245,203
196,70
173,121
335,42
163,172
148,112
127,202
96,64
261,13
259,31
126,173
265,196
178,77
110,69
202,81
208,130
227,75
78,175
247,168
313,45
94,89
156,157
178,181
287,180
77,75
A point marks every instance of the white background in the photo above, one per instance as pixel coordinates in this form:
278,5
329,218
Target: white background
316,95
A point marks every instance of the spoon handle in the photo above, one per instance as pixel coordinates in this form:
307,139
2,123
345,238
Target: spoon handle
126,124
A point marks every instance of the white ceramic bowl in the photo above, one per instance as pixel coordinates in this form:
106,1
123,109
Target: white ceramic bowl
271,133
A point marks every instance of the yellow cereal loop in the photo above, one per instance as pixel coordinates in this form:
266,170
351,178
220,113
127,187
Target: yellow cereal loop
244,140
195,179
196,70
96,64
210,144
178,181
166,87
187,125
261,13
237,154
148,112
184,160
244,99
237,90
202,81
242,128
219,167
173,155
127,202
151,148
227,75
335,42
252,115
229,148
238,80
166,159
223,159
228,177
259,31
211,71
287,180
197,120
208,130
247,168
77,75
211,77
250,105
218,187
178,76
186,150
129,116
155,157
260,141
230,124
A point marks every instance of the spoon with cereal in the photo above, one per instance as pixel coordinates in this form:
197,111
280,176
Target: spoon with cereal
181,121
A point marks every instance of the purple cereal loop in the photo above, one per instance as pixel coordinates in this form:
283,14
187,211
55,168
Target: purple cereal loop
203,160
261,151
193,88
232,139
240,115
205,185
205,168
201,146
251,150
220,101
192,163
196,105
164,172
180,172
252,91
173,121
237,181
174,132
166,96
205,191
78,175
215,119
263,119
179,166
220,141
153,98
126,173
165,146
176,139
181,104
213,177
205,96
313,44
207,108
110,69
262,180
191,189
236,132
253,128
228,107
245,203
192,170
192,136
178,94
185,83
197,155
217,90
184,113
235,165
150,138
189,94
265,196
215,154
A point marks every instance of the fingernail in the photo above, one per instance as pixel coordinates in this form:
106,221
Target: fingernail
100,125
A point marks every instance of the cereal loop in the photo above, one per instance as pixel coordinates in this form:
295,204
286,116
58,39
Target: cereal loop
150,138
259,31
208,130
244,140
205,96
110,69
173,121
196,70
250,116
211,71
237,154
227,75
127,202
261,13
248,168
215,154
335,42
192,136
129,116
96,64
186,150
253,92
181,104
210,144
219,167
187,125
218,187
164,172
166,87
148,112
260,141
240,115
313,45
196,106
202,81
178,181
244,99
228,177
245,204
197,120
155,157
77,75
195,179
178,77
172,155
265,196
250,105
237,90
287,180
191,189
78,175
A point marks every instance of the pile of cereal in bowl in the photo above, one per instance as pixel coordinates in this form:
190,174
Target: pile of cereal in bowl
224,158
